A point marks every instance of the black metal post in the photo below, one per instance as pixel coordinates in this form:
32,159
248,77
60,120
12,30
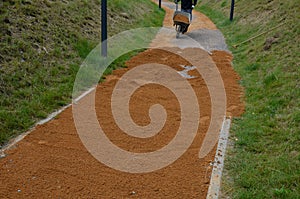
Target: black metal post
232,10
159,3
104,28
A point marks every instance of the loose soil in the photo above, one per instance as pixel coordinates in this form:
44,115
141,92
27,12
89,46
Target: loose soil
52,162
181,18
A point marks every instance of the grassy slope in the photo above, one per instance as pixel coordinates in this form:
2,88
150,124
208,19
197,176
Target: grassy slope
42,44
265,159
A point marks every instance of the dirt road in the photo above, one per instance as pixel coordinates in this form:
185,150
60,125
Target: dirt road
52,162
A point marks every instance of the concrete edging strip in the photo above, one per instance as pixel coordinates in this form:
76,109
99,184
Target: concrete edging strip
218,164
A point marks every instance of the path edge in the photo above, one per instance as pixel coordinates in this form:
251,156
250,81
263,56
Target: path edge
214,189
14,141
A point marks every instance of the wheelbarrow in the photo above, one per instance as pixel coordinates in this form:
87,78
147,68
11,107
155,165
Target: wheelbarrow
181,20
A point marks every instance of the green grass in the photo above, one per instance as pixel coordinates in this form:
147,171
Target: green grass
43,43
265,159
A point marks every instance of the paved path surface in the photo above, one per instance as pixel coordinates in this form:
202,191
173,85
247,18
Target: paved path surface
53,162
